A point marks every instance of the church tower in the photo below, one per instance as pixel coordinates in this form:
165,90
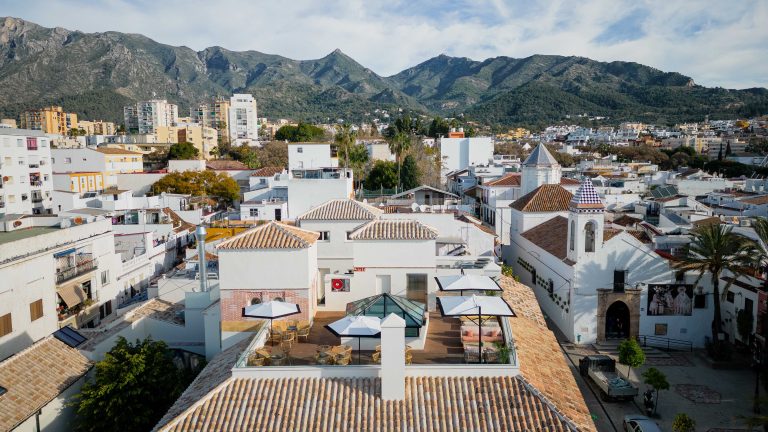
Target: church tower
538,169
586,220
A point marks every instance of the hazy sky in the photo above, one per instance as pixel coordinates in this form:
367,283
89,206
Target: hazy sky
718,43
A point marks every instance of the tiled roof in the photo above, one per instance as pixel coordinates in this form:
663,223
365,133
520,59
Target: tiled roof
179,224
552,236
512,179
610,233
36,376
540,156
354,404
545,198
758,200
224,164
542,361
267,171
117,151
569,181
714,220
404,229
626,220
342,209
586,197
428,189
272,235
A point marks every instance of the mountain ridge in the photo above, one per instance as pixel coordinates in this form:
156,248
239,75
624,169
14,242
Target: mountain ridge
94,74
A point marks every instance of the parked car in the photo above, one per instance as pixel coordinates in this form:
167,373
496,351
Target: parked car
640,423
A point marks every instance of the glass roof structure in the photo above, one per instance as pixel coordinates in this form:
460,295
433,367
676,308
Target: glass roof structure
382,305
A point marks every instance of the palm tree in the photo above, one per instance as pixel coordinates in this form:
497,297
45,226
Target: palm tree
399,144
345,138
715,249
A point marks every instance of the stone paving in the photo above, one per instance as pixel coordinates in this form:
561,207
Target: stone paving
696,393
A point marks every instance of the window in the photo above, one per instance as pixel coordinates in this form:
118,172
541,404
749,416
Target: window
619,280
325,235
589,237
729,297
255,301
36,310
699,301
6,325
573,234
278,299
299,150
67,160
254,212
105,277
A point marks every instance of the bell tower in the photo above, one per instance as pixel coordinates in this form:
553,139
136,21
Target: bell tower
586,220
539,168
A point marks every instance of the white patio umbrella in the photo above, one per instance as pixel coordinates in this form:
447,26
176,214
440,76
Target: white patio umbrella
358,326
271,310
475,305
464,282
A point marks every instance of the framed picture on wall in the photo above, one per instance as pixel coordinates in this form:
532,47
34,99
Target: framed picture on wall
660,330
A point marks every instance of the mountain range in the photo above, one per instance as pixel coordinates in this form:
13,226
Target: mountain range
95,74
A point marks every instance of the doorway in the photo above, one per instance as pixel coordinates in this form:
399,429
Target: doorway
278,214
617,321
416,288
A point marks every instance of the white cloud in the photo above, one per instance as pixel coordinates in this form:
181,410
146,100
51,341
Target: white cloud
715,42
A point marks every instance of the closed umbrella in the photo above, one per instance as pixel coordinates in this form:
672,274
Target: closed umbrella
358,326
271,310
475,305
464,282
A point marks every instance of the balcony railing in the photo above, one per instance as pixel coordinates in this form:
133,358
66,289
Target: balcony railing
36,183
81,268
37,199
34,165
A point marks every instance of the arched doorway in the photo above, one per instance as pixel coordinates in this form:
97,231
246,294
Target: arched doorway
617,321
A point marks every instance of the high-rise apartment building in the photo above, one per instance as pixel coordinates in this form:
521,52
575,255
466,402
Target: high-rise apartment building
214,115
26,183
146,116
97,127
50,120
243,120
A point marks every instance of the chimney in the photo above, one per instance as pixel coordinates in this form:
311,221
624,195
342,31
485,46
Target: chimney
392,358
202,265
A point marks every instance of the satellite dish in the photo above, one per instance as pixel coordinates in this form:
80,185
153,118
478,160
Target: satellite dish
415,207
65,223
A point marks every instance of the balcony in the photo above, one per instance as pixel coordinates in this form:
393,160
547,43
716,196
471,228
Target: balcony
34,165
65,274
37,199
36,183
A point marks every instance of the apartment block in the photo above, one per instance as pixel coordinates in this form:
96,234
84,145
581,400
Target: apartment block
202,137
26,183
214,115
243,120
97,127
105,160
146,116
50,120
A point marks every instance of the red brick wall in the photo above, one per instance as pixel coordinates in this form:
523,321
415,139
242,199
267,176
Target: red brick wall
233,302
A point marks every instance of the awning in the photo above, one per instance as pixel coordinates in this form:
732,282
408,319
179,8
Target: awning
72,295
64,252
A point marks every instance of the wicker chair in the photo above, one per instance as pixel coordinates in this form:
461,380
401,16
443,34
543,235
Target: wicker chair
255,360
288,339
347,349
376,357
303,332
408,358
343,360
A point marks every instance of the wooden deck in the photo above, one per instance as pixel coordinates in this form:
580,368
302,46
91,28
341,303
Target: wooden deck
443,344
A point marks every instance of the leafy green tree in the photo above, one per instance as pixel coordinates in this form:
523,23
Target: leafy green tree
247,155
656,379
713,249
357,158
199,183
439,127
382,175
631,354
409,174
303,132
183,151
133,388
345,138
683,423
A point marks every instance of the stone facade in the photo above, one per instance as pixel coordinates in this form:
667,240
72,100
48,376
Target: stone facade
606,297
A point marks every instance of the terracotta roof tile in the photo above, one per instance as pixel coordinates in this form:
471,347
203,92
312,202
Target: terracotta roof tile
272,235
512,179
117,151
267,171
552,236
225,164
354,404
542,361
342,209
545,198
714,220
401,229
626,220
36,376
569,181
641,235
759,200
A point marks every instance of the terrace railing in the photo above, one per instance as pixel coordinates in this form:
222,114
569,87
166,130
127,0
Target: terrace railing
65,274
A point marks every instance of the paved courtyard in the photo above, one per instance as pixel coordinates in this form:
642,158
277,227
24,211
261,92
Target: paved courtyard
716,399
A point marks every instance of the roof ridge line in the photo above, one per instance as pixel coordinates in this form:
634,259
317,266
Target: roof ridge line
531,388
283,228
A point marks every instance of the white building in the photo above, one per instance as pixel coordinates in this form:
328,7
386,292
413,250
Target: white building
146,116
55,272
594,282
309,188
312,156
459,153
108,161
243,120
26,181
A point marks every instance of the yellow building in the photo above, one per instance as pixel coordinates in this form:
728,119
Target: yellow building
214,115
86,182
203,138
51,120
97,127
